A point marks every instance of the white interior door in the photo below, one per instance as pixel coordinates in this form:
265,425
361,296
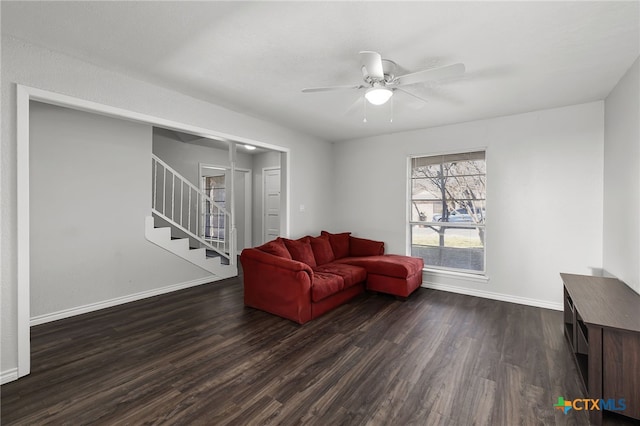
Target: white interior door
271,203
242,198
214,185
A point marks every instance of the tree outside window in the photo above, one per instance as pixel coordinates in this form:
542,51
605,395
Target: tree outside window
448,211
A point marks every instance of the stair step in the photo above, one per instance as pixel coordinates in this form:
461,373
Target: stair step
181,245
199,256
209,260
213,254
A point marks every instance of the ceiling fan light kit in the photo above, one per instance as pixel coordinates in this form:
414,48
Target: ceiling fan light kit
378,95
380,79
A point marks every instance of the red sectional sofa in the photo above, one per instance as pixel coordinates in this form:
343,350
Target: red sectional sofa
302,279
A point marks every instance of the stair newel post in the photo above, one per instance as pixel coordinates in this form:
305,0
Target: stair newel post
164,190
173,196
232,203
154,186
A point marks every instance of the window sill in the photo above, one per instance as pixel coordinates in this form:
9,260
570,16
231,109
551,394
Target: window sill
475,278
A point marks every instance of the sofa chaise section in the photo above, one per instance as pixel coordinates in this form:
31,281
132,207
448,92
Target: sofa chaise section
390,273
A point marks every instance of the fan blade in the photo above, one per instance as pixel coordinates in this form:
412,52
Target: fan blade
355,105
372,63
326,89
411,94
431,74
440,93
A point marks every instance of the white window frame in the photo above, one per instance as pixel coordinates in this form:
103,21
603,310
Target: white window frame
480,276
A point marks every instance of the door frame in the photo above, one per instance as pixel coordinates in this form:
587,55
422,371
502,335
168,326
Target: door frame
25,94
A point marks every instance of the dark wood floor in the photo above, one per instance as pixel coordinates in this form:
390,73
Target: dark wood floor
199,357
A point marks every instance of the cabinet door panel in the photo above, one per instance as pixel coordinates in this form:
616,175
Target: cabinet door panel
621,369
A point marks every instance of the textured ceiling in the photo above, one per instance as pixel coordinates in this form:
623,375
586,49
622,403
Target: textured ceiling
255,57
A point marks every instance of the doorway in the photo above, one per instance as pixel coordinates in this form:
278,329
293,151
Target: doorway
23,320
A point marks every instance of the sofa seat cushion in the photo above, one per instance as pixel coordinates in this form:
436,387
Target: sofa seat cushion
351,274
390,265
324,285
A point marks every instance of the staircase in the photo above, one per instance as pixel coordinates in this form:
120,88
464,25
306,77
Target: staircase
183,211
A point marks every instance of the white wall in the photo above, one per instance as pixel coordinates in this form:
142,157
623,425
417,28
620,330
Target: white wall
544,196
621,257
90,192
185,157
37,67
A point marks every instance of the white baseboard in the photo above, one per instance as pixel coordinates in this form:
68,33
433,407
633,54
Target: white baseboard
495,296
8,376
66,313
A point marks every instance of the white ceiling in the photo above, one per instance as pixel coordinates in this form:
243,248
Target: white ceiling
207,142
255,57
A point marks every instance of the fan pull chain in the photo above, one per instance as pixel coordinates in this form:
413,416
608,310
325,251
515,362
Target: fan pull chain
391,106
364,120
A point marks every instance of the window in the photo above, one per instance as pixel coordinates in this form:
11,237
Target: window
214,226
448,211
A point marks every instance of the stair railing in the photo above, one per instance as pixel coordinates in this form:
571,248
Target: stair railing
188,208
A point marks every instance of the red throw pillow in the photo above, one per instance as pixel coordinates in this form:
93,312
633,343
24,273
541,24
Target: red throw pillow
301,250
276,248
365,247
339,243
322,250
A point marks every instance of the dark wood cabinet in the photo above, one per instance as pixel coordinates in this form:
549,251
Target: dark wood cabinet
602,326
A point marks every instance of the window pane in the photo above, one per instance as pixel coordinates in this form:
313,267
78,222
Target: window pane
449,247
424,211
449,192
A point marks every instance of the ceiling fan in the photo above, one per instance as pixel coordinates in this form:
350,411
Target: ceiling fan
380,80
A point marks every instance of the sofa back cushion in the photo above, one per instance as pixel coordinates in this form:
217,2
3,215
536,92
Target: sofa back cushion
301,250
322,250
276,247
364,247
339,243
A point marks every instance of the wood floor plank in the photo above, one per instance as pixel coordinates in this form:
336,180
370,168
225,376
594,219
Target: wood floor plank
198,356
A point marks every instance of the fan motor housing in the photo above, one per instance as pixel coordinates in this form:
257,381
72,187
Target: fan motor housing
388,68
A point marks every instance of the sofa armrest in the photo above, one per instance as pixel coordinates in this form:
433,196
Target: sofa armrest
256,255
277,285
364,247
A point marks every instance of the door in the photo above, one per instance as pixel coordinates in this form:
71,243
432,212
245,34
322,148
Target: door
214,181
214,223
271,203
